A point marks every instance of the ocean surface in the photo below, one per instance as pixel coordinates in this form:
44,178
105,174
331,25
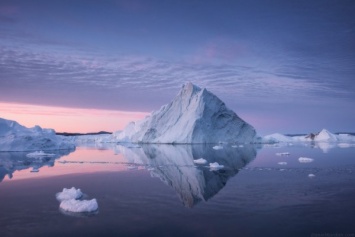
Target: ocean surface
157,190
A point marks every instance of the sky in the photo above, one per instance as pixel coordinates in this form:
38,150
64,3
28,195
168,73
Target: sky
90,65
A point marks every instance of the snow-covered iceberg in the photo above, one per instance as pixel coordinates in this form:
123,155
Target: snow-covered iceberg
194,116
324,136
15,137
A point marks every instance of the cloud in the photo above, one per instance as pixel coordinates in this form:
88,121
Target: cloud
121,82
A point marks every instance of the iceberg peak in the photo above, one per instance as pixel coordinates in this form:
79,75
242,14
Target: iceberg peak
195,115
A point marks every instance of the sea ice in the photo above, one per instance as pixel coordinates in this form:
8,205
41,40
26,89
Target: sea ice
200,161
311,175
305,160
283,154
39,154
282,163
218,147
69,193
73,205
216,166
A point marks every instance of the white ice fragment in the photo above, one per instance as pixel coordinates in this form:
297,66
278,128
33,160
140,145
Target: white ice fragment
215,166
217,147
234,146
283,154
67,194
39,154
305,160
132,167
73,205
311,175
34,170
282,163
200,161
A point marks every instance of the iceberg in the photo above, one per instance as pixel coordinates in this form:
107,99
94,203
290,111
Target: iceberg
73,205
305,160
324,140
15,137
282,163
69,193
216,166
218,147
194,116
200,161
39,154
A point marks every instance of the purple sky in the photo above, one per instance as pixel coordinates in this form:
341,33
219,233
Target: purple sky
283,66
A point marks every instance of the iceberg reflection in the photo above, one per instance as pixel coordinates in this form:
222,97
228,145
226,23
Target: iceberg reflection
15,161
174,165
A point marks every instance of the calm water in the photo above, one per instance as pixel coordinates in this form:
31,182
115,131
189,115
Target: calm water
158,191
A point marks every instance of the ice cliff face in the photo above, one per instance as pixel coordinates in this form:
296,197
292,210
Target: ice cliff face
194,116
15,137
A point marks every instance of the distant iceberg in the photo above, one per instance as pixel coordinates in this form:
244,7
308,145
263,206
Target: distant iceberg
324,136
194,116
39,154
15,137
200,161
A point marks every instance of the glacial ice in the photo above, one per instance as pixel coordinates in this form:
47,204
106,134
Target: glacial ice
69,193
216,166
218,147
305,160
200,161
39,154
194,116
282,163
72,205
15,137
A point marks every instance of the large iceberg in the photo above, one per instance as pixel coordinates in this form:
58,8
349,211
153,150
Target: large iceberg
15,137
194,116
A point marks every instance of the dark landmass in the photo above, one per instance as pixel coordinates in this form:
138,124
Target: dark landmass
81,134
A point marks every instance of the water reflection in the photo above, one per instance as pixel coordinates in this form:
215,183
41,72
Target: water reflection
15,161
175,167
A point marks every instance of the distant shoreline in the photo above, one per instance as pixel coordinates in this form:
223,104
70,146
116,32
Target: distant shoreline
82,134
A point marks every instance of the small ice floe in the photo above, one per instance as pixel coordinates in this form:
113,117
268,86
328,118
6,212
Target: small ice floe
282,163
218,147
73,205
150,168
69,193
345,145
200,161
34,170
241,145
216,166
132,167
283,154
234,146
39,154
311,175
305,160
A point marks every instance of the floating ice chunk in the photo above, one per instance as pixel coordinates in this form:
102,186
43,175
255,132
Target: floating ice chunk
345,145
200,161
39,154
241,145
34,170
218,147
67,194
73,205
305,160
234,146
132,167
283,154
215,166
311,175
282,163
